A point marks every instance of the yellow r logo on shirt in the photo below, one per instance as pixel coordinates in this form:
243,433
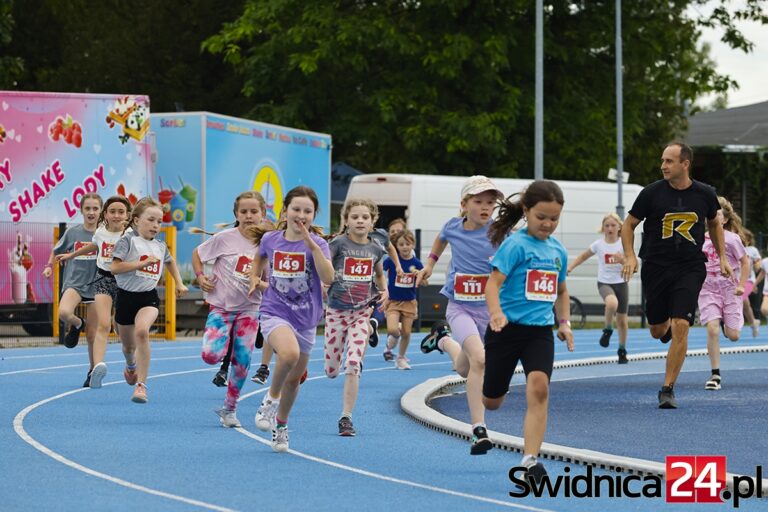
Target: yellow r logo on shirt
685,222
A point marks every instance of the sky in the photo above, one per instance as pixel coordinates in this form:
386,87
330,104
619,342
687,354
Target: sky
749,70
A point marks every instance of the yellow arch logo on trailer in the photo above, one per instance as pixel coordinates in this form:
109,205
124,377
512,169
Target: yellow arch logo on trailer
267,182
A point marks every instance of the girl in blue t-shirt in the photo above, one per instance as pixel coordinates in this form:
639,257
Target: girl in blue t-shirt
467,314
528,275
401,307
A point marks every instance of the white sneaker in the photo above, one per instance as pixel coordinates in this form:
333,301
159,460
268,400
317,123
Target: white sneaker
280,439
402,363
713,384
97,375
227,417
265,416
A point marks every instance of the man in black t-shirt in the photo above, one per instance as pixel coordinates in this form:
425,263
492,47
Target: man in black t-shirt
674,210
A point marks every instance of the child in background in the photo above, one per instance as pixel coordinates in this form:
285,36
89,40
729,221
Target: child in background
395,226
79,274
292,302
610,284
233,319
401,306
720,302
114,216
754,264
356,258
467,313
528,275
138,260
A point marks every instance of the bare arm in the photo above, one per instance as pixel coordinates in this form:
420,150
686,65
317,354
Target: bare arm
492,286
744,264
628,244
718,241
392,253
257,270
437,249
207,285
173,269
581,258
563,308
89,247
121,267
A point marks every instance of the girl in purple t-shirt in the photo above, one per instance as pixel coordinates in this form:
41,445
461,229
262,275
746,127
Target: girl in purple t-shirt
233,311
720,297
292,304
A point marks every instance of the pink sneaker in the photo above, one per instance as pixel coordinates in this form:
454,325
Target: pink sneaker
130,376
139,394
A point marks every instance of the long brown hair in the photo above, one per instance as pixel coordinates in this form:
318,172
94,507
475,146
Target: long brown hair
732,219
114,199
510,212
256,233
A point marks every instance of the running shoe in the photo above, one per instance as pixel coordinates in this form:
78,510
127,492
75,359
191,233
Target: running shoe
261,375
97,375
439,330
714,383
480,442
87,382
388,355
220,379
227,418
139,394
373,338
605,339
345,427
622,355
402,363
265,416
536,473
667,398
130,375
73,334
280,438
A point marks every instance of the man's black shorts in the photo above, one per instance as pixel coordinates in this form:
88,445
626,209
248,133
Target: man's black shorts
534,346
672,291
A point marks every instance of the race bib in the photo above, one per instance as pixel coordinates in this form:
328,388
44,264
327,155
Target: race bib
469,287
405,281
541,285
611,259
87,256
289,264
106,250
243,268
150,271
358,269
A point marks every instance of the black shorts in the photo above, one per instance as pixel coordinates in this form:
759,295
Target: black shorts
129,303
532,345
106,284
672,291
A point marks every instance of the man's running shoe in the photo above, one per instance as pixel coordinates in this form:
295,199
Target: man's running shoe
280,438
480,442
373,337
345,427
73,334
439,330
605,339
227,418
667,398
714,383
97,375
220,379
622,352
87,382
261,375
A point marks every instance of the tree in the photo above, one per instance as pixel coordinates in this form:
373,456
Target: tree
447,86
10,67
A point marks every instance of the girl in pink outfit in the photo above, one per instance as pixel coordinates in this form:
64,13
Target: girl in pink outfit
720,302
233,316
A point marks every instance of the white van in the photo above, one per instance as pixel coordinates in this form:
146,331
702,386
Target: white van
428,201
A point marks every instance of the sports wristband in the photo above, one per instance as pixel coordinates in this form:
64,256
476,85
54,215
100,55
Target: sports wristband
434,257
566,322
199,273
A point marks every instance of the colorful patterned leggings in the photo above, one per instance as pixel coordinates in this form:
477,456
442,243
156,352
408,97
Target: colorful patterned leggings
345,329
241,327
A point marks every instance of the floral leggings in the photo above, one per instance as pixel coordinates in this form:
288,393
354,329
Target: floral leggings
345,329
241,327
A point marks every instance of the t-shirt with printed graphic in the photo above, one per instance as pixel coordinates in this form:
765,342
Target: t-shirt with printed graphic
232,254
534,269
105,241
132,247
673,232
354,268
734,251
608,266
295,292
469,268
402,288
79,272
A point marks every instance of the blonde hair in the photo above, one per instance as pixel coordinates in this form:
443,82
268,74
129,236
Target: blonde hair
732,219
139,208
250,194
614,216
351,203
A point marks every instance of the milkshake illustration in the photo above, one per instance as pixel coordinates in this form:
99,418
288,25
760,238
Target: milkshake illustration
190,194
18,272
178,211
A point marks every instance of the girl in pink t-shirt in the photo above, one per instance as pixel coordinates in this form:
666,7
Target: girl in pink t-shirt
233,316
720,301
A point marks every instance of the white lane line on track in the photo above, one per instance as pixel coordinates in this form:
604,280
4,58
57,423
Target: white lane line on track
32,370
18,426
78,353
